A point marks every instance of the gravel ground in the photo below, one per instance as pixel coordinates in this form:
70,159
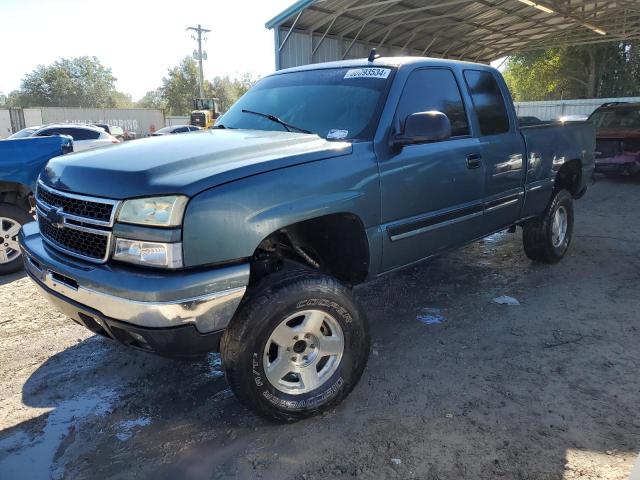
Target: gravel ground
457,386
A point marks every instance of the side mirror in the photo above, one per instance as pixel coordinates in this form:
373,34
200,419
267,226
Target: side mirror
422,127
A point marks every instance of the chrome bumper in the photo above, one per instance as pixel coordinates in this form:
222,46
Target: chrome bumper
144,298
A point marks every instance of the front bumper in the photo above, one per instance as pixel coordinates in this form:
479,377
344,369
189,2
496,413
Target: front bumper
168,312
621,164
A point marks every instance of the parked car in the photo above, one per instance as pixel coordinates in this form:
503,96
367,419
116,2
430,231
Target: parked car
113,130
617,138
25,132
85,137
248,238
175,129
21,161
529,120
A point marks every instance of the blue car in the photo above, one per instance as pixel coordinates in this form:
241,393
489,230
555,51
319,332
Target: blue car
21,160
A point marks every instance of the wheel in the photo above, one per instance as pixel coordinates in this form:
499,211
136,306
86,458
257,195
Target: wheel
11,219
547,239
296,347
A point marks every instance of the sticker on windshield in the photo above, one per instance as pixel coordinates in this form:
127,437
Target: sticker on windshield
337,134
368,73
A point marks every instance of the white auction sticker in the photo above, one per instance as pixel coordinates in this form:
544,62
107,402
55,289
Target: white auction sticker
368,73
335,134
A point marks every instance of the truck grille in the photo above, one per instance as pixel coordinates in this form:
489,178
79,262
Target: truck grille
86,244
74,206
77,225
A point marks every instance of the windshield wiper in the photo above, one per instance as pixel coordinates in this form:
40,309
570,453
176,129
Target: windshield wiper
275,119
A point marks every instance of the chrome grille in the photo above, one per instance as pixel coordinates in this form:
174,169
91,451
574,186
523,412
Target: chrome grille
77,225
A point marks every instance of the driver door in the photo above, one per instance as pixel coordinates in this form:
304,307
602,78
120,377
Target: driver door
431,193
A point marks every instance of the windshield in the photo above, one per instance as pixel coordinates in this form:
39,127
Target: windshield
617,119
25,132
339,103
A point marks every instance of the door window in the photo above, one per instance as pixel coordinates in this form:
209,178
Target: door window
434,89
80,133
488,102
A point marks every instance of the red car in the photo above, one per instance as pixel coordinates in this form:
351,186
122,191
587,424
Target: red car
617,137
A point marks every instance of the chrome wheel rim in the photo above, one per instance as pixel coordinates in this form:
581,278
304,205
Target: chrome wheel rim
303,352
9,248
559,226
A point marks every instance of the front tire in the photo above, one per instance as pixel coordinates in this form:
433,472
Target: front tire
296,347
547,239
11,220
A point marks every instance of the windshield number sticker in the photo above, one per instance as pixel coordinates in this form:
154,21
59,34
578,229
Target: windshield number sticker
337,134
368,73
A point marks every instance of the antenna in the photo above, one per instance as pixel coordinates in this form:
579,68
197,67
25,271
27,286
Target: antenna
373,55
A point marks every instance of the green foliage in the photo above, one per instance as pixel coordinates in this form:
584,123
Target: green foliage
68,82
180,88
588,71
229,90
152,99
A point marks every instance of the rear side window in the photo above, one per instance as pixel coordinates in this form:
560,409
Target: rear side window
80,133
181,130
488,102
48,132
434,89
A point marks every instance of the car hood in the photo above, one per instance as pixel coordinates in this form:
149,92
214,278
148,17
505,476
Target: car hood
184,164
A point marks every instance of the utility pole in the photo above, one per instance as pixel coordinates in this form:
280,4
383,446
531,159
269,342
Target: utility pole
200,31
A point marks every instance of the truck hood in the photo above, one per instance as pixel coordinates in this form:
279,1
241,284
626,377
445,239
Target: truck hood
185,163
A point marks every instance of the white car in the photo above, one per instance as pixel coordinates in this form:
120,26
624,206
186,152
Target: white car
85,137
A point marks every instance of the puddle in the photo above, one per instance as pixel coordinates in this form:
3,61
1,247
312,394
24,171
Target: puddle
430,316
506,300
33,457
495,238
126,428
215,366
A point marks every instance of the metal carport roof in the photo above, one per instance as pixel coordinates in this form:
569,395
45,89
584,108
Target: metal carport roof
311,31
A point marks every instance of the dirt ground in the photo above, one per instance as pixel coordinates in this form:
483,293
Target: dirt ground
546,389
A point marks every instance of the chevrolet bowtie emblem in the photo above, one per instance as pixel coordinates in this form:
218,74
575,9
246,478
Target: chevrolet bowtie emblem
55,217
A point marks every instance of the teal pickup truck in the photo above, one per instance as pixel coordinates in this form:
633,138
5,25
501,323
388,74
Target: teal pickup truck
248,238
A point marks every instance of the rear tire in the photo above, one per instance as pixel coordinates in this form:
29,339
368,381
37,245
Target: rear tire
547,239
11,219
297,345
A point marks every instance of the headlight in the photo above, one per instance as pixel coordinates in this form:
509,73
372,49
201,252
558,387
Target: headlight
152,254
155,211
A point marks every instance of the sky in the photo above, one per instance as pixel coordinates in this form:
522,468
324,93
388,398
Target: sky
138,39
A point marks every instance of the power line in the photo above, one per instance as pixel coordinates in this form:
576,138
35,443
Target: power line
199,30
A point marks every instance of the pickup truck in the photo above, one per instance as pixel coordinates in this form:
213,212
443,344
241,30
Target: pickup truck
21,161
248,238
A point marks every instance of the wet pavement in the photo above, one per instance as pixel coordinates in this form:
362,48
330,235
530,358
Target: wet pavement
457,386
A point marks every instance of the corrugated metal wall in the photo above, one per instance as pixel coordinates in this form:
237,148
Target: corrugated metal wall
554,109
297,50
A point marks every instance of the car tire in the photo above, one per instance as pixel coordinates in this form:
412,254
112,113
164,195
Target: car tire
11,217
547,239
273,351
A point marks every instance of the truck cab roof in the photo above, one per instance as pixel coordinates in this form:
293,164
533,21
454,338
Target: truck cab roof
388,62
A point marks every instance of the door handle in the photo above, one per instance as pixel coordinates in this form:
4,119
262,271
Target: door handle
474,161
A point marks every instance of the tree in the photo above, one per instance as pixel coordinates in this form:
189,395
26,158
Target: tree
69,82
152,99
122,100
228,90
180,87
588,71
